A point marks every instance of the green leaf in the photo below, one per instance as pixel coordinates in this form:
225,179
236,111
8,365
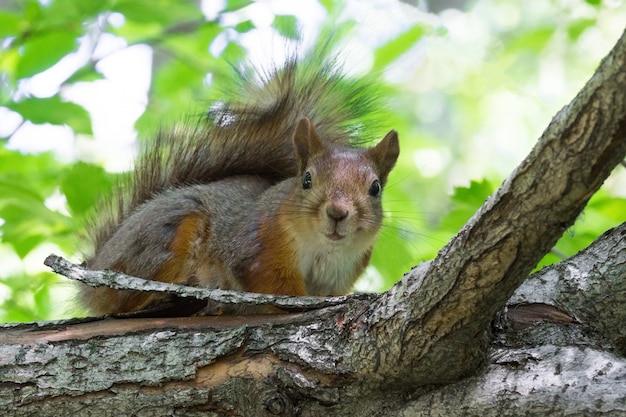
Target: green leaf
329,5
533,40
465,202
177,89
138,32
287,25
42,52
18,192
54,111
9,24
578,27
395,48
191,50
86,9
85,74
137,11
28,225
392,255
164,12
613,209
29,297
63,16
26,182
37,175
232,5
233,52
32,10
83,184
244,26
176,77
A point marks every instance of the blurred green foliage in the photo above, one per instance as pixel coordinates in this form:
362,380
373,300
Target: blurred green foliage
442,113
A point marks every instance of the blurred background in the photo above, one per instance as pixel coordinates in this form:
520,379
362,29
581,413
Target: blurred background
469,86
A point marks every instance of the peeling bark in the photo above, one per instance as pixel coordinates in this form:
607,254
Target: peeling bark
429,346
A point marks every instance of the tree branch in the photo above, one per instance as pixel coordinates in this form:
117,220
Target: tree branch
292,362
590,287
474,274
120,281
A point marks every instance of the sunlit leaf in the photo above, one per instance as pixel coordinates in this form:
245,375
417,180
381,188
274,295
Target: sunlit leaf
244,26
14,191
9,24
392,255
41,52
533,40
578,27
328,5
232,5
465,202
29,297
89,8
136,32
34,175
286,25
84,74
164,12
82,185
28,225
54,111
233,52
392,50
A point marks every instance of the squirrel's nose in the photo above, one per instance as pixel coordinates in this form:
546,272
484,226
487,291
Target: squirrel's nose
337,212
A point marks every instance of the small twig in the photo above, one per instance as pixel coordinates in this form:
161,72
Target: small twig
120,281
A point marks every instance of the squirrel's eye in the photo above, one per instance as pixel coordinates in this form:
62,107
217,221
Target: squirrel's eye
375,189
307,182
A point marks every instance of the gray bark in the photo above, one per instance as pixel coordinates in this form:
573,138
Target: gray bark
429,346
541,360
558,346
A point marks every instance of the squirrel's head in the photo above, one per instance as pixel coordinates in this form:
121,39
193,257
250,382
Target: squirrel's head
340,188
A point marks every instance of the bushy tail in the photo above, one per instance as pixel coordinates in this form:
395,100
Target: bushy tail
249,131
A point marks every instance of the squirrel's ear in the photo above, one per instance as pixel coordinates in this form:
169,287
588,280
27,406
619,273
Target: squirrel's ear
306,143
385,154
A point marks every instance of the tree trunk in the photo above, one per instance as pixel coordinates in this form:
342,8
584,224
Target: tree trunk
468,333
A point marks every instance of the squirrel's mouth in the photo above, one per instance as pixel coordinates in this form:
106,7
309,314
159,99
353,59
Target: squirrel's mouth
334,236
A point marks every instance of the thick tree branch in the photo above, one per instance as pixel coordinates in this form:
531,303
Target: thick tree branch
547,364
590,287
116,367
474,275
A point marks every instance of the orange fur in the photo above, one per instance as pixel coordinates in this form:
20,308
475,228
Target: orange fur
275,271
176,269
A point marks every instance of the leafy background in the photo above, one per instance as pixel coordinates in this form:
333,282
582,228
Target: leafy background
471,84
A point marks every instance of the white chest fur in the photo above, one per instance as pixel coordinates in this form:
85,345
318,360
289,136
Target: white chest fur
329,269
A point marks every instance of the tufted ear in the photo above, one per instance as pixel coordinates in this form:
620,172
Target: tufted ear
306,143
385,154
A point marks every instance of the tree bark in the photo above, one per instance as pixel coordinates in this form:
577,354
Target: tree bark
428,346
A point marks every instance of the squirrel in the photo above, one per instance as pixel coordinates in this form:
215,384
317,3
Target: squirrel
268,194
